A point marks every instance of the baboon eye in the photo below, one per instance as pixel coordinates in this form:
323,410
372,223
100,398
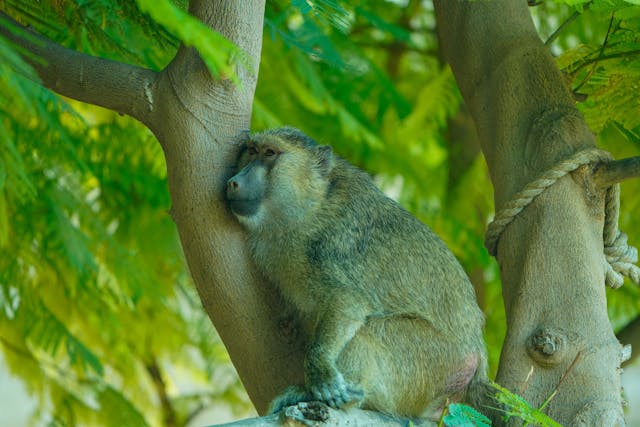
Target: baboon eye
252,150
269,152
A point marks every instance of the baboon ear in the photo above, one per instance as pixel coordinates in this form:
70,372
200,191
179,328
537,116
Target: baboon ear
324,156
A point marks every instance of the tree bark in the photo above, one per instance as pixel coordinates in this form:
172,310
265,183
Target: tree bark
617,171
550,256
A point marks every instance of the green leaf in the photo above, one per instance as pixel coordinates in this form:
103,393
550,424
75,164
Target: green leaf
218,53
330,11
516,406
47,332
120,410
397,32
302,5
460,415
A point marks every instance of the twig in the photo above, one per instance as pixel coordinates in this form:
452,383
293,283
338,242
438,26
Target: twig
606,57
168,412
595,64
564,25
615,171
562,378
525,384
444,413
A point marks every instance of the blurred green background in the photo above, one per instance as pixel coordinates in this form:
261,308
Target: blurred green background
99,321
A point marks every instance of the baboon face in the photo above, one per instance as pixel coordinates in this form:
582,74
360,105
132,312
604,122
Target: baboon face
277,179
247,189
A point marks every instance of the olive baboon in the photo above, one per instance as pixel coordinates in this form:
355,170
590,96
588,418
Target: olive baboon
390,317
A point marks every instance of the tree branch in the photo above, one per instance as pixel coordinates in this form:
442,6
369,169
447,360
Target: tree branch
316,413
114,85
168,412
609,173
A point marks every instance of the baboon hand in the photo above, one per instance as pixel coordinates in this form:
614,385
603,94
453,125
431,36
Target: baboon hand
337,393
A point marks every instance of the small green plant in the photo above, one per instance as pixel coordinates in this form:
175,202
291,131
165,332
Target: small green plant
516,406
513,405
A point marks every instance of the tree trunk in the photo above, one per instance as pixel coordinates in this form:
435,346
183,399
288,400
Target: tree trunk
550,256
199,124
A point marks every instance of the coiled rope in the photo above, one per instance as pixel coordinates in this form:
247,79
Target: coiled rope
620,258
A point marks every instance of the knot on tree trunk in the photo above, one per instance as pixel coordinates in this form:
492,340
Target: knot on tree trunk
548,346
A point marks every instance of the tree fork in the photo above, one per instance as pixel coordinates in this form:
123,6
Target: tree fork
204,120
550,256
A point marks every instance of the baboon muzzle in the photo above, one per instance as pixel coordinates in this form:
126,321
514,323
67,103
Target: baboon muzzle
245,190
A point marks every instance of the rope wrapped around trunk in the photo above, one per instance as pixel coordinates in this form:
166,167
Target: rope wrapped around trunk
620,258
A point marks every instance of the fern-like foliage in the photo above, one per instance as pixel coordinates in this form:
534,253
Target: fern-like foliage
516,406
79,284
605,73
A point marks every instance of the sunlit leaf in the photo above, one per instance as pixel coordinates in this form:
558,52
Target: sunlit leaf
218,53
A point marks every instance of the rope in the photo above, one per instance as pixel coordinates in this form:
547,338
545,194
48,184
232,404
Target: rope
522,199
619,256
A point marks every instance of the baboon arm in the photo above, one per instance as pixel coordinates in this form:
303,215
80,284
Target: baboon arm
336,326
